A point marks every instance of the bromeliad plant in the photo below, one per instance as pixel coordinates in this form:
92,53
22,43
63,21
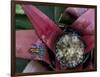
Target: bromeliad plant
69,45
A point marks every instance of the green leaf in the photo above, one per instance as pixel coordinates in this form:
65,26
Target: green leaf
20,65
58,12
48,10
22,22
19,10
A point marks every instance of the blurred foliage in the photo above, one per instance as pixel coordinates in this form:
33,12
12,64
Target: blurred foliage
20,64
22,22
19,9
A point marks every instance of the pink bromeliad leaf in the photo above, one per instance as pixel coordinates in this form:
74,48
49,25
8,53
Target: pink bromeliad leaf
25,39
45,28
85,24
